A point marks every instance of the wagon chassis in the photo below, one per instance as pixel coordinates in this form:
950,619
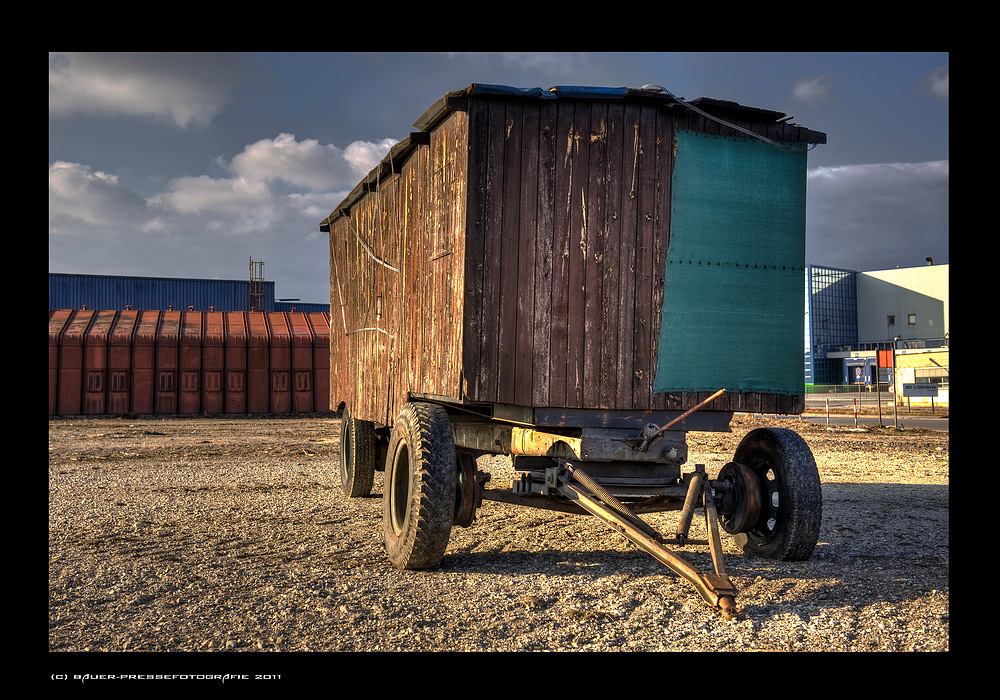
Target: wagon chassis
768,498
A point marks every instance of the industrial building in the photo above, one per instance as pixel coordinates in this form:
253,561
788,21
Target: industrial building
881,330
73,291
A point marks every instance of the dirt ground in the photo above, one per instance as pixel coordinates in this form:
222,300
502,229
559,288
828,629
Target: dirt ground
232,534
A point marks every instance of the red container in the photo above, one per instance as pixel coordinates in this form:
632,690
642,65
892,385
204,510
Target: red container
236,362
57,322
212,356
280,363
320,323
71,341
95,363
167,363
189,398
144,362
258,353
302,363
120,363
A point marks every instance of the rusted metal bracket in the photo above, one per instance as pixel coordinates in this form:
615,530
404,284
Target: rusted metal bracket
653,437
715,588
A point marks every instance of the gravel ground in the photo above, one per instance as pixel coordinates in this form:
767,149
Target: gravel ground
200,535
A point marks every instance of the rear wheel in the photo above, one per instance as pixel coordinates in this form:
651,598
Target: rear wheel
357,455
789,492
418,502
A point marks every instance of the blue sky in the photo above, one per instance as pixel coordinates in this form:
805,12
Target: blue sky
188,165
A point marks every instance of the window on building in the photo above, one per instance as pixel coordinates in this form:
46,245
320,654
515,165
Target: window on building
890,320
911,319
931,375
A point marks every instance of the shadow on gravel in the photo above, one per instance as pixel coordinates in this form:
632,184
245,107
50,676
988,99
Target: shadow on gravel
563,562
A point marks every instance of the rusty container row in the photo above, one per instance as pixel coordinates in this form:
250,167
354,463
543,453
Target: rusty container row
188,362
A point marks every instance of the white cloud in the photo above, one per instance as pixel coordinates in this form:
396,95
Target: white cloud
76,192
196,195
257,195
187,89
95,222
299,163
877,216
233,206
308,163
812,91
936,84
364,155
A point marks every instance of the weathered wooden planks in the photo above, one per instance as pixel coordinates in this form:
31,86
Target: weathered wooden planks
575,222
396,282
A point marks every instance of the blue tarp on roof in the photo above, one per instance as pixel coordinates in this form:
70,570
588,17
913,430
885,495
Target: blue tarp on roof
550,93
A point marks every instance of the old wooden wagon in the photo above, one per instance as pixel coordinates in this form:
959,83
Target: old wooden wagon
576,277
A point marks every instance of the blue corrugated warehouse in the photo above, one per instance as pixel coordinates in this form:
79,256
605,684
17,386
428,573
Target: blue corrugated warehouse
76,291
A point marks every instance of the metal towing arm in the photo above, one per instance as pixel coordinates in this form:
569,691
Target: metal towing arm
715,588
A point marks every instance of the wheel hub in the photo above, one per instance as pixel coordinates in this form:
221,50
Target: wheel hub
739,503
469,489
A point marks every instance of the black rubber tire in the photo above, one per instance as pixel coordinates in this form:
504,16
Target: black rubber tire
418,501
357,455
791,496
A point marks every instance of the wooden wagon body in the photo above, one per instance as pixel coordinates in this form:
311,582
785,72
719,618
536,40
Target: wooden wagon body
514,253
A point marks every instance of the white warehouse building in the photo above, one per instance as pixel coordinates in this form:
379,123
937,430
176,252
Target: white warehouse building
881,329
910,303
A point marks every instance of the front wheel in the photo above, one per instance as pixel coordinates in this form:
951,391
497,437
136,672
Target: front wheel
789,492
418,503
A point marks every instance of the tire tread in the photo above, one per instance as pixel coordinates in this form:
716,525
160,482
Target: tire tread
424,537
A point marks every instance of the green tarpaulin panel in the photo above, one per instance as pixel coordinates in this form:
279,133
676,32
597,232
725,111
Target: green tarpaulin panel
733,307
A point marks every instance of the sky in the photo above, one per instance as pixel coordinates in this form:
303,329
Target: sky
190,164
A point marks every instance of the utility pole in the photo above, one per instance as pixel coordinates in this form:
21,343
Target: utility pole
895,402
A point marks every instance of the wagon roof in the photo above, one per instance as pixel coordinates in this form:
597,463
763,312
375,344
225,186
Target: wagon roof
654,94
458,100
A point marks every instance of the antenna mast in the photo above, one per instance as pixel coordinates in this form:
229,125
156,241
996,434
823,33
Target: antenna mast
256,285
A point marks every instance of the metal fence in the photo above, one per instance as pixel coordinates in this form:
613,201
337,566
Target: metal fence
852,389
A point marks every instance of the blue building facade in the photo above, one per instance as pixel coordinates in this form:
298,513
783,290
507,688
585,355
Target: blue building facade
831,321
110,292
